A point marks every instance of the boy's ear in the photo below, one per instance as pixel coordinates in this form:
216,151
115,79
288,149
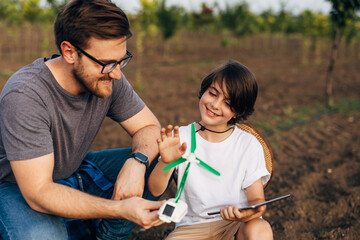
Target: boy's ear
237,115
68,51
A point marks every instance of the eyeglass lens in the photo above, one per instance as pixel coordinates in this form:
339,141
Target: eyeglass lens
108,68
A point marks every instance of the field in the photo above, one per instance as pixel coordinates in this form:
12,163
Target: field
316,150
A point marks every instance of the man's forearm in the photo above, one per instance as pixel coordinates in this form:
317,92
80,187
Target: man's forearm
60,200
57,199
144,141
144,128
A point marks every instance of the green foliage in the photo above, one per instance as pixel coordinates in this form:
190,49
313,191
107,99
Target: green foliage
282,20
54,6
205,19
239,19
9,11
31,10
226,42
313,24
5,75
21,11
168,19
147,15
267,21
343,10
351,31
344,16
347,105
305,114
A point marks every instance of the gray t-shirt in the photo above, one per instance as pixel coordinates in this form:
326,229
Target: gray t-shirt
38,117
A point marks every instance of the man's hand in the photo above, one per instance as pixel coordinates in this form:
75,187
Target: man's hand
130,181
142,212
169,144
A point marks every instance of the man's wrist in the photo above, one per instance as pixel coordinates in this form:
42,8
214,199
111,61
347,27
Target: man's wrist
140,157
135,162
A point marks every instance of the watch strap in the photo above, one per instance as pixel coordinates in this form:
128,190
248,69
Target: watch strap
142,158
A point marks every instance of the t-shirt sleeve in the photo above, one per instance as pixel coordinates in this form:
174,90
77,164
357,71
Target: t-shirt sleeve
126,103
24,125
256,166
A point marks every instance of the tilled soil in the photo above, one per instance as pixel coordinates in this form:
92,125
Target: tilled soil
316,161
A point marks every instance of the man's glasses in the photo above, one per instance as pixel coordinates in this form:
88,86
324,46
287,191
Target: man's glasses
108,67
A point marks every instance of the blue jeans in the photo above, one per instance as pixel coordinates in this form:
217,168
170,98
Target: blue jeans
95,176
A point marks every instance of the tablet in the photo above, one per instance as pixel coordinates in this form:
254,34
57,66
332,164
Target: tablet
257,205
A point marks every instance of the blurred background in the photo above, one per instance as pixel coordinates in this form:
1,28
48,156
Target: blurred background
306,57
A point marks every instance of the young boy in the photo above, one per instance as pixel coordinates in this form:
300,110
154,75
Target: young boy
227,96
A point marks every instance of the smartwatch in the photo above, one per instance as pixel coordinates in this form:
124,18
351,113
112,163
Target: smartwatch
140,157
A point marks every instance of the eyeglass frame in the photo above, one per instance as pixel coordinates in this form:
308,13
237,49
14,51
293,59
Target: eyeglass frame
129,56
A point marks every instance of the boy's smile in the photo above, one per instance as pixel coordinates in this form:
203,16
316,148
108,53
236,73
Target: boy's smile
215,108
211,113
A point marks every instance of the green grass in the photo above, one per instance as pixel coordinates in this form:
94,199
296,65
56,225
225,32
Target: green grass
5,75
347,106
291,117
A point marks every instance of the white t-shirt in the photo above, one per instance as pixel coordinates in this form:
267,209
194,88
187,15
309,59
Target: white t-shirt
240,161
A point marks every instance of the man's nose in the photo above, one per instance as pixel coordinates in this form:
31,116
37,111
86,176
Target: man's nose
116,73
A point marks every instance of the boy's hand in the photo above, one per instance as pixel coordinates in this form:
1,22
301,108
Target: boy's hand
233,213
169,144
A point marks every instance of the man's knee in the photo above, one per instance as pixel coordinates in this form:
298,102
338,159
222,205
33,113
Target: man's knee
52,229
19,221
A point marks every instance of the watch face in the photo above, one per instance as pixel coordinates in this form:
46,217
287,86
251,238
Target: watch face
141,157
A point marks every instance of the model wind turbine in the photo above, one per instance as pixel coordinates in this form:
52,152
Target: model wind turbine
174,209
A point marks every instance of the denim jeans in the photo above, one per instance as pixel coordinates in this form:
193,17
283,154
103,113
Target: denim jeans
95,176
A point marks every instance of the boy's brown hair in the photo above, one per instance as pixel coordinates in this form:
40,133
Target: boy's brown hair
241,87
81,19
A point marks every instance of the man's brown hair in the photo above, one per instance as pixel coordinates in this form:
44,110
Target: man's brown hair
81,19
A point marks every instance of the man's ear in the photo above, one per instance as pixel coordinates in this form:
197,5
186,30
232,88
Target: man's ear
68,51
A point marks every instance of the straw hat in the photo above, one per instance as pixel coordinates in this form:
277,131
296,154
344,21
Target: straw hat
268,154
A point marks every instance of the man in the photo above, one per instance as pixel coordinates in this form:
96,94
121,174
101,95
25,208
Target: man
50,113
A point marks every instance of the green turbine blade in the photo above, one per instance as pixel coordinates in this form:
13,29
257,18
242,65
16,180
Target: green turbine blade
174,163
193,138
207,167
182,183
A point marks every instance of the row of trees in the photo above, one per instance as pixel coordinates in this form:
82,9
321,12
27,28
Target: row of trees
157,16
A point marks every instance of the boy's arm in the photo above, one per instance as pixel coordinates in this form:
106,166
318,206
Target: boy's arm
159,179
170,150
255,195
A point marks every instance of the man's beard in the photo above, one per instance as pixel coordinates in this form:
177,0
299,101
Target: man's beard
91,86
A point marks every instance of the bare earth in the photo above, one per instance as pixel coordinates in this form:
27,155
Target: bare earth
316,161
